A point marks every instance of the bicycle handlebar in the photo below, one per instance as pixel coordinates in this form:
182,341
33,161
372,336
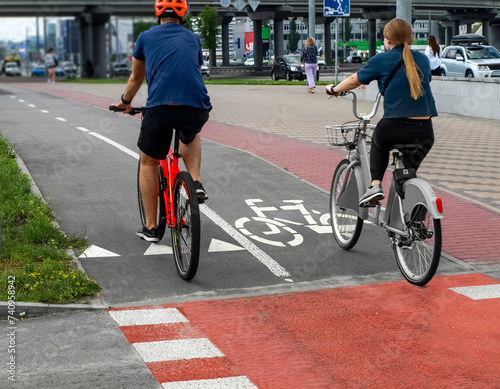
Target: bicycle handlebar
133,111
355,105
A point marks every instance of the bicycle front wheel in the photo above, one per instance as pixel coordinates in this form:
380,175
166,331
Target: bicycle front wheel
161,212
186,233
418,254
346,224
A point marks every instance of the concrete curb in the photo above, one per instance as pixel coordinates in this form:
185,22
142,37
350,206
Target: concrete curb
27,308
22,309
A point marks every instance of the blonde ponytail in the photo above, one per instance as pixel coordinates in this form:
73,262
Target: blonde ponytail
413,73
399,32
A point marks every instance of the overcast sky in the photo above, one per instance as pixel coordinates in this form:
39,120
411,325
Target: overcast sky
15,28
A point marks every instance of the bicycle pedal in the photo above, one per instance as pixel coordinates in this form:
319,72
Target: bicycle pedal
370,204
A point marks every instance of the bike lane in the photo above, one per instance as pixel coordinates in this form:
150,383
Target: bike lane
322,337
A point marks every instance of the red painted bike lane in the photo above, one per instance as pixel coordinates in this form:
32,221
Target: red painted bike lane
393,335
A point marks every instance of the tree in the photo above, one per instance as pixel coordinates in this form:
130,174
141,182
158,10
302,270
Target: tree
294,36
208,28
188,21
142,26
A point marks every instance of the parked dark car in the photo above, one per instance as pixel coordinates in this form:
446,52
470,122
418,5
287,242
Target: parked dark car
353,59
120,69
288,67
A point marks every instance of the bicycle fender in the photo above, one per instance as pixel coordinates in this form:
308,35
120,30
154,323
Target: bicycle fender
418,191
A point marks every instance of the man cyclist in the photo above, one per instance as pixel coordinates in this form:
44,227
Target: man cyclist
170,58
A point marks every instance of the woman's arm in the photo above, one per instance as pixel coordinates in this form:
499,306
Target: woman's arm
349,83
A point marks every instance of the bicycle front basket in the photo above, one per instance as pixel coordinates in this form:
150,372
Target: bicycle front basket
346,134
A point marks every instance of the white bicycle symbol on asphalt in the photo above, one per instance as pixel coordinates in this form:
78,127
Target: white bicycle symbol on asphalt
278,228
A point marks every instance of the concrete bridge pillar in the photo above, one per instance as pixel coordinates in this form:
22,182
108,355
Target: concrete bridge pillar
280,13
327,44
494,34
92,25
258,45
372,37
224,20
84,22
257,42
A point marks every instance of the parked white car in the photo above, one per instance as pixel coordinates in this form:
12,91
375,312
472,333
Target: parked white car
11,69
471,57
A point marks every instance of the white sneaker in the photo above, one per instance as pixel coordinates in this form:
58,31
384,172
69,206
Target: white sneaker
372,195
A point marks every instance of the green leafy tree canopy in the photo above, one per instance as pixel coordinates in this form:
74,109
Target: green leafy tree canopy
208,27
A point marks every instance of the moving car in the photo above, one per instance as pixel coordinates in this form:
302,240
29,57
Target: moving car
11,69
470,56
288,67
205,71
39,71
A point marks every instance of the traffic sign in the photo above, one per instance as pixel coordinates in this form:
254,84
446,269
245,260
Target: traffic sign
336,8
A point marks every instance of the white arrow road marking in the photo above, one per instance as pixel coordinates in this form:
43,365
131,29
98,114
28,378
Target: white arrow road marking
217,245
158,249
97,252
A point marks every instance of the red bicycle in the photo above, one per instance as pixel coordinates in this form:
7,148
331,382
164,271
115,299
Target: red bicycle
177,208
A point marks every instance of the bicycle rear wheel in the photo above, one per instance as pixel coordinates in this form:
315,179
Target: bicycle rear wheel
161,213
419,253
346,224
186,233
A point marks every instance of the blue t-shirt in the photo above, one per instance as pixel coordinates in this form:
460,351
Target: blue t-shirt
398,102
173,57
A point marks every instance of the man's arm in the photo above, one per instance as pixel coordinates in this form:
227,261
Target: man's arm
133,85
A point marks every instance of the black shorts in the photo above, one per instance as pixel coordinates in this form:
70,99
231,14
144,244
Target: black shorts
158,124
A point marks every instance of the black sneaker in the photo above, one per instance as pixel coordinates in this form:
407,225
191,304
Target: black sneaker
149,235
200,191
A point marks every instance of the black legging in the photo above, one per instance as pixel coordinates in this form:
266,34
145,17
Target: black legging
390,132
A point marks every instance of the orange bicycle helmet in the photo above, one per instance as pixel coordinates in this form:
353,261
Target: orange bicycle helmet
178,6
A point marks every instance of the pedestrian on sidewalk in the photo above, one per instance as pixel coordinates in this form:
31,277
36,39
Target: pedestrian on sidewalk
169,56
434,52
404,78
51,62
310,60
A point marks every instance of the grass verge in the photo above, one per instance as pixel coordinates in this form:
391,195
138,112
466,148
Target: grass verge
34,252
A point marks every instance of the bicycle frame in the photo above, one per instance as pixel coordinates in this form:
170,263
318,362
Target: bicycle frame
170,165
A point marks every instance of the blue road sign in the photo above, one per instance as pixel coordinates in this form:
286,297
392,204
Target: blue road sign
337,8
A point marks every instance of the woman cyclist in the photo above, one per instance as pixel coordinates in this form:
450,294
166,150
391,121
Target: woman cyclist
408,102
